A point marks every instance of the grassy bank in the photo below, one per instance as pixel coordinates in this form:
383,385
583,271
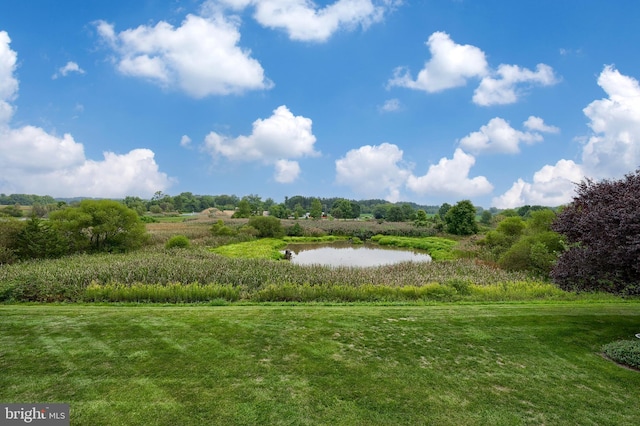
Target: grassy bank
447,365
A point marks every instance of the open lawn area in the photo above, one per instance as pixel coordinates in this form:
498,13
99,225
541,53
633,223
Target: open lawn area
465,364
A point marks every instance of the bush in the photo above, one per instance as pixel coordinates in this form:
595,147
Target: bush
295,230
267,226
220,229
177,241
625,352
602,227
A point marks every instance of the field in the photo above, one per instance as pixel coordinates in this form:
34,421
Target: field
223,334
507,364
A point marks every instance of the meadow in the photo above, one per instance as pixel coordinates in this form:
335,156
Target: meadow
222,333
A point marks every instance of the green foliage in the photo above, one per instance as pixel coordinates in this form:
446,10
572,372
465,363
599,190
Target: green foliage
341,209
519,245
11,211
9,230
243,210
267,226
220,229
295,231
316,209
438,248
461,219
177,241
156,293
39,240
421,219
625,352
265,248
100,225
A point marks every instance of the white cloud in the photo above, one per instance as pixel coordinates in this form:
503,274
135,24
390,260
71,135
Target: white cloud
282,136
537,124
507,87
451,177
552,186
8,83
610,152
498,137
34,161
390,105
304,21
185,141
68,68
201,57
287,171
451,65
614,147
373,171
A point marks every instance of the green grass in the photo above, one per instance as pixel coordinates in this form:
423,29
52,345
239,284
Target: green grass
264,248
517,364
437,247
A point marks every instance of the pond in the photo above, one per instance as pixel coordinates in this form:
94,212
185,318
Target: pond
347,254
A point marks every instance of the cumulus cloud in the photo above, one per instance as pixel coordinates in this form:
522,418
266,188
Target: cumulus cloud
451,177
537,124
282,136
8,82
35,161
303,21
286,171
201,57
508,82
68,68
498,136
551,186
373,171
614,147
612,150
451,65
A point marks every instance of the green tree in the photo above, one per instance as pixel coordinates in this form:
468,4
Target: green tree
341,209
442,211
100,225
316,209
394,214
267,226
243,210
39,240
461,219
421,219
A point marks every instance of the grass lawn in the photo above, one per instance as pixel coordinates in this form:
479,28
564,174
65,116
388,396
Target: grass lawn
494,364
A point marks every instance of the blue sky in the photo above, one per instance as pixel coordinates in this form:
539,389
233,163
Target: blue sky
501,102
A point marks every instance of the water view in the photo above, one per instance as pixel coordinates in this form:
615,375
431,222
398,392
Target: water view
346,254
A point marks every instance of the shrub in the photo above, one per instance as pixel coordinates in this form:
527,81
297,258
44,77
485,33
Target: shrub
295,230
220,229
267,226
625,352
602,227
177,241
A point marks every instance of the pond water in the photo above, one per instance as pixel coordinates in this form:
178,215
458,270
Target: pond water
347,254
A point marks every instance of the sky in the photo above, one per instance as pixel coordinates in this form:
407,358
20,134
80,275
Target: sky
504,103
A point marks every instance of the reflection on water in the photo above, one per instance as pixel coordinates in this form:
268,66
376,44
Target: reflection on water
346,254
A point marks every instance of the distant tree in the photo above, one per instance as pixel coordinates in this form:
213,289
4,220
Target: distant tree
298,211
444,208
11,211
243,210
380,211
341,209
394,214
408,213
421,219
485,217
39,240
267,226
279,211
461,219
602,227
9,230
100,225
316,209
355,210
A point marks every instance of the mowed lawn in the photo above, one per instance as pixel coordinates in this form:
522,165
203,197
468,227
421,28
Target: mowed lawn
498,364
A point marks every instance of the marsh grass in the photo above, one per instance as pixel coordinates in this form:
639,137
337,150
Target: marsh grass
154,293
264,248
